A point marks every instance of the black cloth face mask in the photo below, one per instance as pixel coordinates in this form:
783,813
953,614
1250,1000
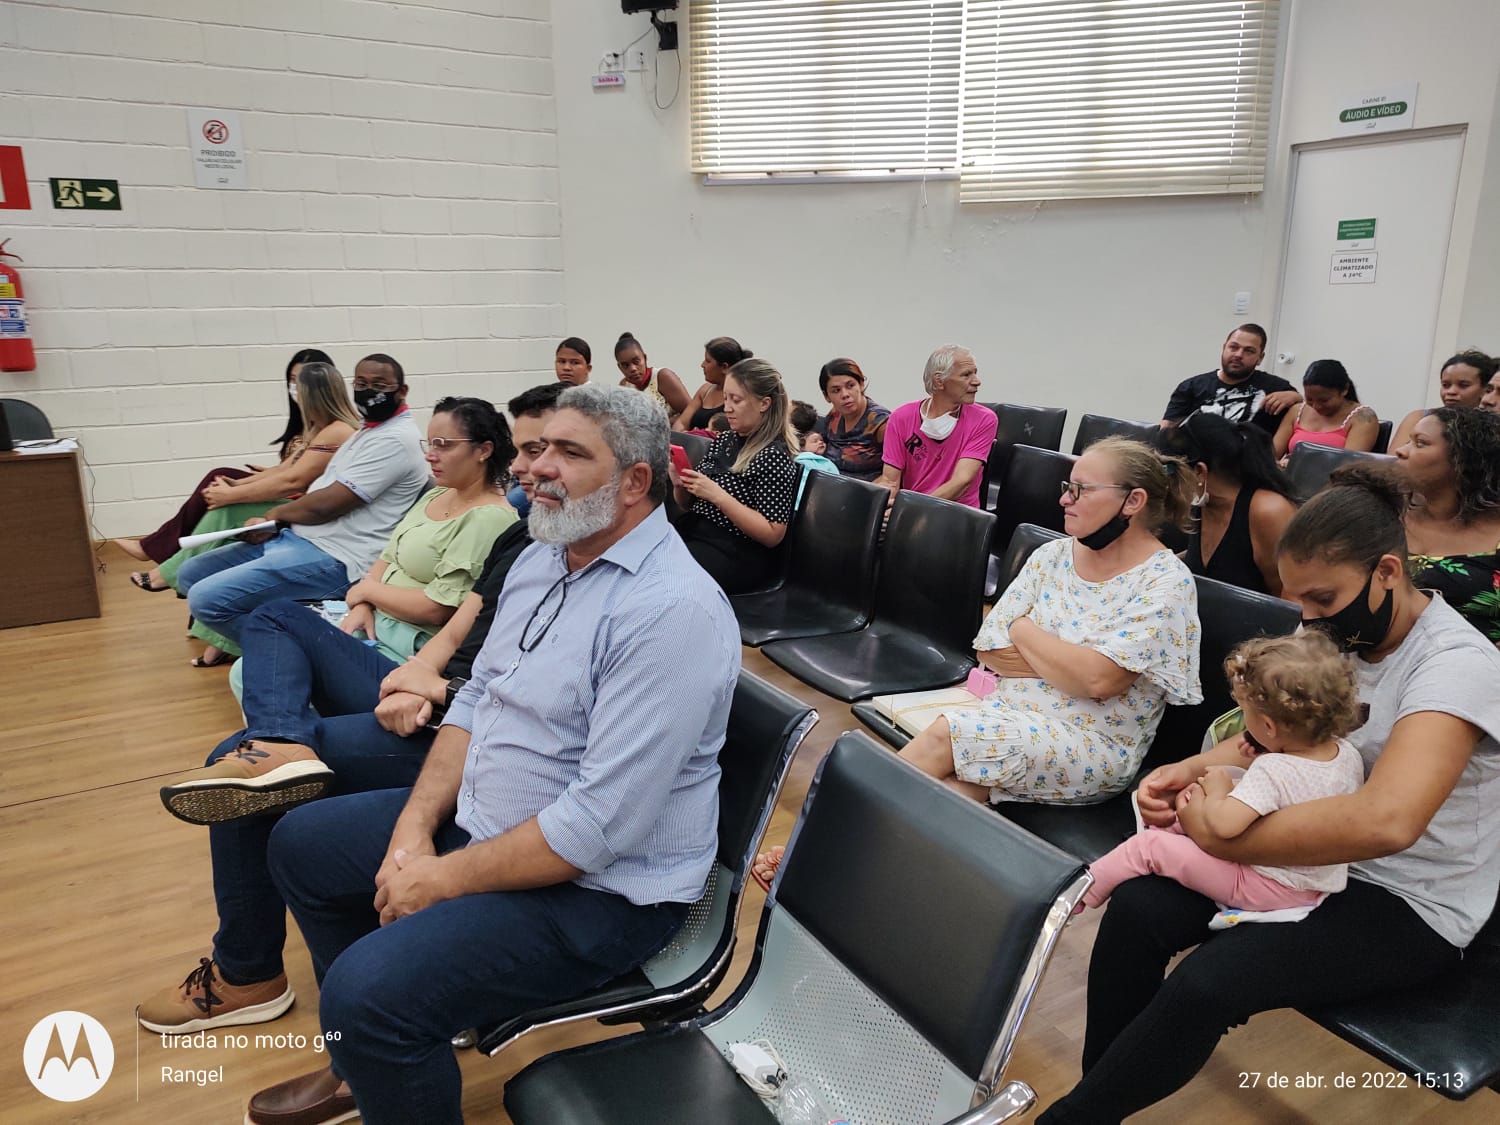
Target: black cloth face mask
376,405
1357,626
1112,530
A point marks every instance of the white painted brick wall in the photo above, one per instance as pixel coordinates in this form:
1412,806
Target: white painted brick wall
403,187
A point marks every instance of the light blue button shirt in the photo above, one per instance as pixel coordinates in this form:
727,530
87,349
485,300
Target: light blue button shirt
608,731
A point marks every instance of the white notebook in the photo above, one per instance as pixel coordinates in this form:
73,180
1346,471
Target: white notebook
914,710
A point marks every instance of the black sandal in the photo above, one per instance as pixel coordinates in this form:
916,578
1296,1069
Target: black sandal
141,580
222,658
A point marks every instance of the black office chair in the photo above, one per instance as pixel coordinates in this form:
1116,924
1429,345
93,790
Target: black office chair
1383,437
1447,1033
904,938
1092,427
1029,494
927,607
695,444
25,422
766,726
830,581
1024,540
1310,465
1037,426
1227,615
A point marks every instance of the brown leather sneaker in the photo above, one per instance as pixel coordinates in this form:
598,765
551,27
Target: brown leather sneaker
203,1001
313,1099
254,777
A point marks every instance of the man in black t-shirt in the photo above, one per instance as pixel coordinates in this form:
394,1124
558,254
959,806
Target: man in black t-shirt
1237,390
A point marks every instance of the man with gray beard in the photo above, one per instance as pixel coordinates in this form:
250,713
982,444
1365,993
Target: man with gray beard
567,812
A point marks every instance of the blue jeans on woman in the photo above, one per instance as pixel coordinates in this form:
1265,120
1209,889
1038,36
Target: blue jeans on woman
393,996
307,682
224,585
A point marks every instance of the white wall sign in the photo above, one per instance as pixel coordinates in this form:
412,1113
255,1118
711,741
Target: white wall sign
1377,112
1353,269
218,146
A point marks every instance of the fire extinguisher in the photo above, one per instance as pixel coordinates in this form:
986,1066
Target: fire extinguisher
16,352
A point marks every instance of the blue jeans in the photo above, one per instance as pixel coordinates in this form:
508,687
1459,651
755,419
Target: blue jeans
396,994
222,586
306,682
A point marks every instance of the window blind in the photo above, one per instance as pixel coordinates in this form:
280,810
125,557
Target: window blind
1074,99
825,86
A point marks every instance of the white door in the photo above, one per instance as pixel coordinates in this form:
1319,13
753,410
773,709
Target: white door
1370,302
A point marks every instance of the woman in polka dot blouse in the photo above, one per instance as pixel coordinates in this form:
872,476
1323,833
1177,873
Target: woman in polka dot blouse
739,500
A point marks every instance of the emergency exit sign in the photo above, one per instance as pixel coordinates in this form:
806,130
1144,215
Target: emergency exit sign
85,195
1356,230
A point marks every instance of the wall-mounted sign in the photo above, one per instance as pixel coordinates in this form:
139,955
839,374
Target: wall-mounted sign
1356,234
1353,269
14,194
218,146
1378,111
86,195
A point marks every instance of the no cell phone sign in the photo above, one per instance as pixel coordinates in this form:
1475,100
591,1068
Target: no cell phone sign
215,132
217,145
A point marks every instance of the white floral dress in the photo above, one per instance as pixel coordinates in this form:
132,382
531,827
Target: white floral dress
1030,741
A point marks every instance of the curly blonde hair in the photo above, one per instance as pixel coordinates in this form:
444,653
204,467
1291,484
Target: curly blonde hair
1302,682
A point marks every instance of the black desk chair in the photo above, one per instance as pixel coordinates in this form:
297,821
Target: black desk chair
1448,1030
1310,465
1024,540
695,444
928,588
834,539
1092,427
903,940
1037,426
766,726
1383,437
25,422
1029,494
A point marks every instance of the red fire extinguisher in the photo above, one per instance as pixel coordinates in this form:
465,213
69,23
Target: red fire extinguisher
16,352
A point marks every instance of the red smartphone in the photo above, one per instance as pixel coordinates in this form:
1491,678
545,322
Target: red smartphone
680,459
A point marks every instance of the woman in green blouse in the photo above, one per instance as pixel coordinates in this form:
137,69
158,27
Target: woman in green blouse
438,549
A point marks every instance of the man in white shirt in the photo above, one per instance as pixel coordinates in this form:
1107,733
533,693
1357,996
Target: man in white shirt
336,530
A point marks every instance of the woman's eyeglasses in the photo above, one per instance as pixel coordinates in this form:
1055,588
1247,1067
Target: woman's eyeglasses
1076,489
442,444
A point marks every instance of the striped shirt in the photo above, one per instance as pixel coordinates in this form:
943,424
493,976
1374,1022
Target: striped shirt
608,730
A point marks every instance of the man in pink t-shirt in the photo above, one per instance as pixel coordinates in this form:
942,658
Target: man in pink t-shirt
940,445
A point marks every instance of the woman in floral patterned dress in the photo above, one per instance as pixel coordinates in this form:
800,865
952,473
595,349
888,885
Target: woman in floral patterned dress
1097,634
1452,464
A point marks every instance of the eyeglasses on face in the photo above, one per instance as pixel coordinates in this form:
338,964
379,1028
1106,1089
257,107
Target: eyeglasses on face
361,384
1076,489
443,444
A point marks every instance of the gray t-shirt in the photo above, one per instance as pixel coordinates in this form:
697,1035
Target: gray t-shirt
383,466
1450,875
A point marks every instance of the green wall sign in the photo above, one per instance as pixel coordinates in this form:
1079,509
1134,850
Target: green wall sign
1351,230
1370,112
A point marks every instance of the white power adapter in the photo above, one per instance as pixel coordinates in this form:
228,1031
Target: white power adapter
759,1066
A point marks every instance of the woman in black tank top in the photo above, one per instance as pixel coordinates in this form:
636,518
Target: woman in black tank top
719,355
1246,501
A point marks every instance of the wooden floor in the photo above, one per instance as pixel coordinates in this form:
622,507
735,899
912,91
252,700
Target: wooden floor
106,898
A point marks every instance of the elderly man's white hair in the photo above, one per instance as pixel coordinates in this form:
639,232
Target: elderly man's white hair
940,363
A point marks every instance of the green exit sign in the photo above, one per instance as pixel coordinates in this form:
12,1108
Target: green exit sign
1351,230
86,195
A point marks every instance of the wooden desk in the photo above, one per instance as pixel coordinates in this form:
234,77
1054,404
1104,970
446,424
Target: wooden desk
46,554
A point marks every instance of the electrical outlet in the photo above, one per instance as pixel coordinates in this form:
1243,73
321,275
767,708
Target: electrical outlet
611,63
635,58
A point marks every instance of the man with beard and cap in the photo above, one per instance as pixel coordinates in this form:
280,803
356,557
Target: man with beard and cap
318,545
567,811
1237,391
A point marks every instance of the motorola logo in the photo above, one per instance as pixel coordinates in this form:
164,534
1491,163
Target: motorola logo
68,1056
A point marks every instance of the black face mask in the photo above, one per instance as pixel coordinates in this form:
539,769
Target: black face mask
1357,626
376,405
1104,536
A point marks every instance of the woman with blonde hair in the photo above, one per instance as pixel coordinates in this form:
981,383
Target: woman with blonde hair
739,500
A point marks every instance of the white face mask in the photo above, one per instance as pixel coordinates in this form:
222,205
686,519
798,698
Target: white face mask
291,392
939,428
